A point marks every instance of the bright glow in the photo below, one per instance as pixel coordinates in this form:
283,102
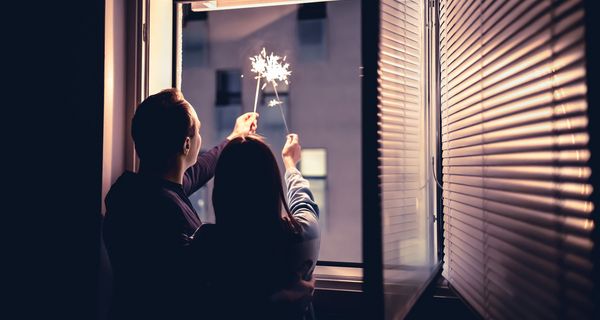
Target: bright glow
272,70
274,102
259,64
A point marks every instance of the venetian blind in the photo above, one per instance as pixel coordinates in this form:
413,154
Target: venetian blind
401,139
516,196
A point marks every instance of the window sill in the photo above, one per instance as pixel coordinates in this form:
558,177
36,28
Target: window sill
339,278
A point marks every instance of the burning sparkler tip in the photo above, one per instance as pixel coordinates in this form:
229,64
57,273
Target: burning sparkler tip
274,102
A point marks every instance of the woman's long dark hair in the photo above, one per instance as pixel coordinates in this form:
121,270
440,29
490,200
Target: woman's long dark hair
248,194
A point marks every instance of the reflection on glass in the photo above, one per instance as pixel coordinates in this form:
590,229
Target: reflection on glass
407,186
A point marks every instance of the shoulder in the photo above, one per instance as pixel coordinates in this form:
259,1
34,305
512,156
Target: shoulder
156,206
164,196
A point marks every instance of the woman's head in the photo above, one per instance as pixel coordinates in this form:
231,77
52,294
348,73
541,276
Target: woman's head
247,188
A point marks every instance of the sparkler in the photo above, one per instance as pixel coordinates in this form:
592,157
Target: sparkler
259,66
274,102
272,70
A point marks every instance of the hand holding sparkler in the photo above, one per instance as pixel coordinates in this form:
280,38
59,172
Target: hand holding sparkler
291,151
244,125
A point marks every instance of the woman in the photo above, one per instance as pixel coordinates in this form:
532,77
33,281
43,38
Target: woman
261,245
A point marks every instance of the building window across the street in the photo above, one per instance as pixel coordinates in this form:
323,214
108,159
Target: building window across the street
314,168
312,33
228,102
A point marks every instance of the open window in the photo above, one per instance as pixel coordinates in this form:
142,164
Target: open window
394,99
359,97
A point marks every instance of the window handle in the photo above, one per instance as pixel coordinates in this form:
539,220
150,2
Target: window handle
433,173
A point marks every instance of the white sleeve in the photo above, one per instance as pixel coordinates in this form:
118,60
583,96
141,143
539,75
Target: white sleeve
306,212
302,204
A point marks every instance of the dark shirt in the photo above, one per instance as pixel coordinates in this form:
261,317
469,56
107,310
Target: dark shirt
149,225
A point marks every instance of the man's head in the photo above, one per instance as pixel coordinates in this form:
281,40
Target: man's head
165,127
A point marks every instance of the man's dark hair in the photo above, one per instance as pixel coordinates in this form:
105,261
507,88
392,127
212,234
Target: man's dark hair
160,125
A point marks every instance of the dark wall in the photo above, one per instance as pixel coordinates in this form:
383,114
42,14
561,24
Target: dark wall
53,156
592,24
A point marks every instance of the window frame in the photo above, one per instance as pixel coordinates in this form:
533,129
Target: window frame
371,279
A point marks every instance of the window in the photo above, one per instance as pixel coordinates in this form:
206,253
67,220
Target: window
405,149
195,35
322,103
314,169
406,185
311,11
227,101
312,31
229,89
227,107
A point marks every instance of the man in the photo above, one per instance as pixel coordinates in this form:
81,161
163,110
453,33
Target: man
150,222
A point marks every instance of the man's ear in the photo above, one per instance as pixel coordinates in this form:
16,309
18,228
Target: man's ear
186,146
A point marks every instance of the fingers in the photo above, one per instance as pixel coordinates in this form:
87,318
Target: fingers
292,138
250,115
253,118
249,121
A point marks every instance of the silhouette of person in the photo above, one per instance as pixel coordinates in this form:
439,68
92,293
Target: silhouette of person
150,222
260,244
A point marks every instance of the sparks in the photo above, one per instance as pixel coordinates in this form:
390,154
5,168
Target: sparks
270,67
274,102
273,69
259,64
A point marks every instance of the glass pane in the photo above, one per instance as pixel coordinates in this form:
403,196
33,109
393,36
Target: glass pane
322,102
407,186
318,187
195,52
225,116
200,200
271,125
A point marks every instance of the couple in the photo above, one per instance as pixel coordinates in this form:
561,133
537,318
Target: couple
255,262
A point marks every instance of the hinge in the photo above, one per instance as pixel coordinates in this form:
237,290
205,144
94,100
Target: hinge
431,3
